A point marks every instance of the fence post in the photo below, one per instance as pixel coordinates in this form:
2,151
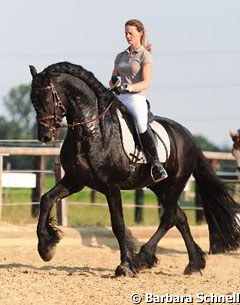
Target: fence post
93,196
1,171
62,209
139,200
198,204
40,166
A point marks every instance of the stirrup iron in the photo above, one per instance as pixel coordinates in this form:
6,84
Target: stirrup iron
162,172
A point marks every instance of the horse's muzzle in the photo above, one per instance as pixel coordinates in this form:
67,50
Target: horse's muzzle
45,135
45,139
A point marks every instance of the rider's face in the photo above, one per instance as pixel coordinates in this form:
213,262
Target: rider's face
133,36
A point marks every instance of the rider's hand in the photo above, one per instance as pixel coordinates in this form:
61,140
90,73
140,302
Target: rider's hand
117,86
127,88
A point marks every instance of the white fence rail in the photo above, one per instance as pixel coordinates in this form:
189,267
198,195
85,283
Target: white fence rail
20,180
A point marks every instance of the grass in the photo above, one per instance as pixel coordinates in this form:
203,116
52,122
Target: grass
85,214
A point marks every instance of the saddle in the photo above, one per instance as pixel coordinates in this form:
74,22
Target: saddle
131,138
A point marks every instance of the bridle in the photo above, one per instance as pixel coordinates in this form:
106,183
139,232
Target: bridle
58,104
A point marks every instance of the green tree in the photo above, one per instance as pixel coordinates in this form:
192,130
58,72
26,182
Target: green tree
18,123
205,144
21,120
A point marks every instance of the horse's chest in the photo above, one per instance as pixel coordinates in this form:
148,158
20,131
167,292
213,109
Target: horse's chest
73,157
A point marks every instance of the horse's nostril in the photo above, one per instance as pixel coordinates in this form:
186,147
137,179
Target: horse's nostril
46,139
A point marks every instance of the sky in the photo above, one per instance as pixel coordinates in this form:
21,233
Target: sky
196,52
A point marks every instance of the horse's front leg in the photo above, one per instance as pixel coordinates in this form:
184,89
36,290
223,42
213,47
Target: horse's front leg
47,231
126,243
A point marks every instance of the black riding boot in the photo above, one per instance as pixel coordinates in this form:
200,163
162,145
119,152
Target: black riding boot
158,172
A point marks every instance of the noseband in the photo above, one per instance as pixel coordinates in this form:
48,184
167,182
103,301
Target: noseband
59,105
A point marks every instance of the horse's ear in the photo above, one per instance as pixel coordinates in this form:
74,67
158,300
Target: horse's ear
33,70
233,134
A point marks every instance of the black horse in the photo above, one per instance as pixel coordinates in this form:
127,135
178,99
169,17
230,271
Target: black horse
92,155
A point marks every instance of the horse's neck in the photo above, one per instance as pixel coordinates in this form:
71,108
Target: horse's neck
81,107
95,129
82,112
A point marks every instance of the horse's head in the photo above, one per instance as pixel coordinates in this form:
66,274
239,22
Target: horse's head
48,106
235,135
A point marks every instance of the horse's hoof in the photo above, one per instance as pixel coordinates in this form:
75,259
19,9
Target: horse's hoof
57,235
54,232
192,269
46,252
143,261
125,271
153,261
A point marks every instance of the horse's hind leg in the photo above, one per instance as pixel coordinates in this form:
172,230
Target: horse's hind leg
172,216
196,256
48,233
146,258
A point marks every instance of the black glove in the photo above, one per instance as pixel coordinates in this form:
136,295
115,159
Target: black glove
116,80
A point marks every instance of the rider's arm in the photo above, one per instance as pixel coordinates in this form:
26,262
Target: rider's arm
146,78
114,73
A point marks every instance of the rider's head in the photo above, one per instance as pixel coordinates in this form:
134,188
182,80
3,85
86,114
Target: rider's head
134,29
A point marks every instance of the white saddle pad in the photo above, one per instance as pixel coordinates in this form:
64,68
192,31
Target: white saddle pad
163,147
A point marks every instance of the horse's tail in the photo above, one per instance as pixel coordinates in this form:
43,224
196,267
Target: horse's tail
219,207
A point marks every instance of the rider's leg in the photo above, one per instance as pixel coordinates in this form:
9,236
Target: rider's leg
137,106
158,172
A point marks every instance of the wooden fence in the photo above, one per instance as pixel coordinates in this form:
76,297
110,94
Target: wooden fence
37,151
54,151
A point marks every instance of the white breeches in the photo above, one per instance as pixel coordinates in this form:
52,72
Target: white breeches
137,106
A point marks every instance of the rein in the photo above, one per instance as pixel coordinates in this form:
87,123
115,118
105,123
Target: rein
58,104
98,117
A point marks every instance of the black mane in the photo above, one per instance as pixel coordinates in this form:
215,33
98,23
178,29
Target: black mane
102,93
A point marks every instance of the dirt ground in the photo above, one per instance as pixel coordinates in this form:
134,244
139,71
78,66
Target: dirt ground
82,270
